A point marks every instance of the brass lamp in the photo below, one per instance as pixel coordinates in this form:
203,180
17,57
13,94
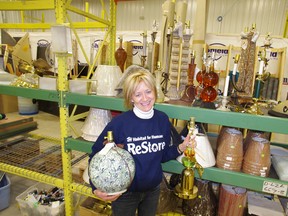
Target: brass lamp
186,188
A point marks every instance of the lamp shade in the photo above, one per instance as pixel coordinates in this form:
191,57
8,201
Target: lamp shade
204,152
107,77
95,122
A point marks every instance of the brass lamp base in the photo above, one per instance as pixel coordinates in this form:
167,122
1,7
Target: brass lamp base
186,194
255,108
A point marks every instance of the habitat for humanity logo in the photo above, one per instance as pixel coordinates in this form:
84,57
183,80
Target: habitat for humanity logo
219,52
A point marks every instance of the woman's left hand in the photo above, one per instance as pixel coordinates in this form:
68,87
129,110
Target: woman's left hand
104,196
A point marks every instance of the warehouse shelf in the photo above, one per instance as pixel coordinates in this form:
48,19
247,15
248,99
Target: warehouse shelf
37,155
78,145
61,7
36,176
39,94
241,120
110,103
213,174
233,119
33,175
39,159
19,5
255,183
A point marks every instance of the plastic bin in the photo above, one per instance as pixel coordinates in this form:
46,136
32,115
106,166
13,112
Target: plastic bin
4,192
28,208
27,106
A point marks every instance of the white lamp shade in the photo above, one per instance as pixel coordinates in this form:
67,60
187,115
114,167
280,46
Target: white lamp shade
107,77
204,152
95,122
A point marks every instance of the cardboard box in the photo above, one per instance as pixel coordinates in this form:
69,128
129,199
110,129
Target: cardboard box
95,207
8,104
264,204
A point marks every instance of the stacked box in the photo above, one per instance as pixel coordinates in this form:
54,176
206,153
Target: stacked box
95,207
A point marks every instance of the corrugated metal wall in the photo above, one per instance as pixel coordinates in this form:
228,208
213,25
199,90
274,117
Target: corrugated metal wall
138,15
235,15
269,16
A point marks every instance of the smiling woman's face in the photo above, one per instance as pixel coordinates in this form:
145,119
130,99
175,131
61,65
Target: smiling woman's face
143,97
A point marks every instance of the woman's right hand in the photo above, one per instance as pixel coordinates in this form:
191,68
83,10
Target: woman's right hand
104,196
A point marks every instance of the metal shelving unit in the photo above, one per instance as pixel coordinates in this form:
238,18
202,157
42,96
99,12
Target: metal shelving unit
241,120
61,7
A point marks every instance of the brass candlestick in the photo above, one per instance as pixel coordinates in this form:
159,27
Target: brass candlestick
235,89
225,101
143,56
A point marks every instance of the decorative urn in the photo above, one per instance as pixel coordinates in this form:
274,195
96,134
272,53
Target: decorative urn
112,169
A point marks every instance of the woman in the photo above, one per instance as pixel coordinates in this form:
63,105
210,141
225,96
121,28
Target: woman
145,134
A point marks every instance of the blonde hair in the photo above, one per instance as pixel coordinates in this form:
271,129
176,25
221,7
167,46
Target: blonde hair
131,83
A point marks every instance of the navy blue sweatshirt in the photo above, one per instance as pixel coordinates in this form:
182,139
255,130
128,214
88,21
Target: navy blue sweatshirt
147,140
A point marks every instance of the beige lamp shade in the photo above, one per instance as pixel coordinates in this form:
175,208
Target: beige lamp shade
95,122
107,77
204,152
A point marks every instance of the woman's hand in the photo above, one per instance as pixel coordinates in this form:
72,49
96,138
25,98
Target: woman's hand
104,196
189,141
